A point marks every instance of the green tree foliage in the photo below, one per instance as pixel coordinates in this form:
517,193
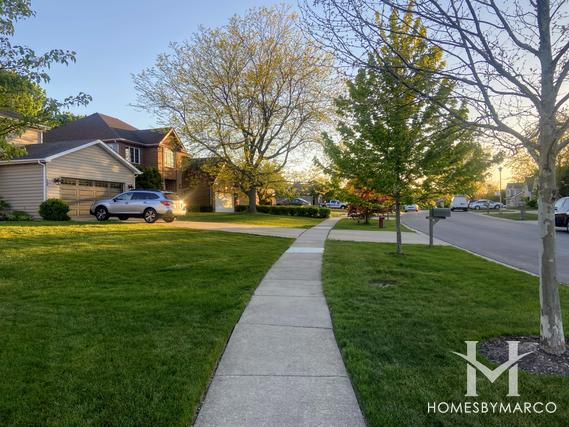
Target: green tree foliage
150,178
21,72
399,144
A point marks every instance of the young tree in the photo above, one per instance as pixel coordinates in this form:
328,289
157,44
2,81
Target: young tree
395,142
510,61
21,70
247,93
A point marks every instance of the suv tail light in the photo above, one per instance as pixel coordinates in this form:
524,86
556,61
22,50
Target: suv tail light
165,203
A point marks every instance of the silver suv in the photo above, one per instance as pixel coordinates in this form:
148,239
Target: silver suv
147,204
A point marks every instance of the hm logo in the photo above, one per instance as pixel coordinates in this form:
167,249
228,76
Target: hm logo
473,365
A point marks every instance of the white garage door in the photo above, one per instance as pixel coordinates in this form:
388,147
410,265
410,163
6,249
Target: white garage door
80,193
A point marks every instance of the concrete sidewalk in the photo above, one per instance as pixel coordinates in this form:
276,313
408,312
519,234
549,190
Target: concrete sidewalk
282,366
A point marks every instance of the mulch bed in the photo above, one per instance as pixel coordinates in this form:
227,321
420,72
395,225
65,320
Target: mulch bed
539,362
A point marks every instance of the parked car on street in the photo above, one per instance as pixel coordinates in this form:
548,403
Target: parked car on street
147,204
335,204
297,201
562,213
485,204
459,202
411,208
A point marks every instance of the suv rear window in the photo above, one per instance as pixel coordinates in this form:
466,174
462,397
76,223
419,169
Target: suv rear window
171,196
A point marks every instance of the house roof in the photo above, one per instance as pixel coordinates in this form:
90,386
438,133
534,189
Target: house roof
105,128
53,150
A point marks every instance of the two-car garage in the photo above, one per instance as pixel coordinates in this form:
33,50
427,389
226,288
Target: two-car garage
78,172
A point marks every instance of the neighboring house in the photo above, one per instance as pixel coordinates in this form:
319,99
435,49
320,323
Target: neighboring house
32,135
516,193
204,191
78,172
157,148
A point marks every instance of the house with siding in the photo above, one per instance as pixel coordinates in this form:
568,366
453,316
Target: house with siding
78,172
517,193
205,192
159,148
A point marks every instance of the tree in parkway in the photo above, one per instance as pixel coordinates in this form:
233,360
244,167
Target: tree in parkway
248,93
395,142
510,61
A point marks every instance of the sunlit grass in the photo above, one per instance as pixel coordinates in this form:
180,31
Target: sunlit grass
254,219
352,224
397,319
118,324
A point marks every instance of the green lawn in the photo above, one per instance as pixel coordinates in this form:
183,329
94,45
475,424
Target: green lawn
118,324
254,219
351,224
529,216
397,340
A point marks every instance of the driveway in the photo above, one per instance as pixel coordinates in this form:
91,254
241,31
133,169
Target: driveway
512,242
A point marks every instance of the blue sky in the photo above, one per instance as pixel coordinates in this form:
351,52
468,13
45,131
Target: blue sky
114,39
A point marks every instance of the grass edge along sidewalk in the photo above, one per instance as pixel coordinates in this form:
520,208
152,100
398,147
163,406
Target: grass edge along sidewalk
397,319
118,324
352,224
258,219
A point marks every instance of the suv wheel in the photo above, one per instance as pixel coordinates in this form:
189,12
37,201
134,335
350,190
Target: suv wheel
101,213
150,215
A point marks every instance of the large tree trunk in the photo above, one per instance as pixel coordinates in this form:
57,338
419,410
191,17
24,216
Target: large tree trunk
252,194
552,337
399,249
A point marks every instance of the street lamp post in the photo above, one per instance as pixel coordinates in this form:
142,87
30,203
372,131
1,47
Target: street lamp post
500,183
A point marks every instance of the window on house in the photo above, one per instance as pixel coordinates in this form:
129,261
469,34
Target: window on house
133,154
168,158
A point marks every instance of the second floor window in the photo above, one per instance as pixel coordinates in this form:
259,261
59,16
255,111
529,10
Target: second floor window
168,158
133,154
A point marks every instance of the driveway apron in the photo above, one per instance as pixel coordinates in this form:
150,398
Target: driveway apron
282,366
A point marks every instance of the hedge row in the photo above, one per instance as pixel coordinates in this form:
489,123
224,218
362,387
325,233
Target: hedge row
308,211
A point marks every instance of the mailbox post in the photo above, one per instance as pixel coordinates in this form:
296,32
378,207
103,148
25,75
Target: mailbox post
435,215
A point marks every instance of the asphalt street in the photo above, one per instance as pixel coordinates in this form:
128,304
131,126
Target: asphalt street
512,242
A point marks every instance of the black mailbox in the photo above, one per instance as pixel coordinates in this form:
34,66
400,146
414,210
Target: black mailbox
439,213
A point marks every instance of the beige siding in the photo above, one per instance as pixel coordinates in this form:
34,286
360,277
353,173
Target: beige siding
93,163
22,186
30,136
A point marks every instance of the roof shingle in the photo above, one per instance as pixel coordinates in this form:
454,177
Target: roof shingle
43,151
105,128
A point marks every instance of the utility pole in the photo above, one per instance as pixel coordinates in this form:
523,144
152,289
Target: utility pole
500,183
